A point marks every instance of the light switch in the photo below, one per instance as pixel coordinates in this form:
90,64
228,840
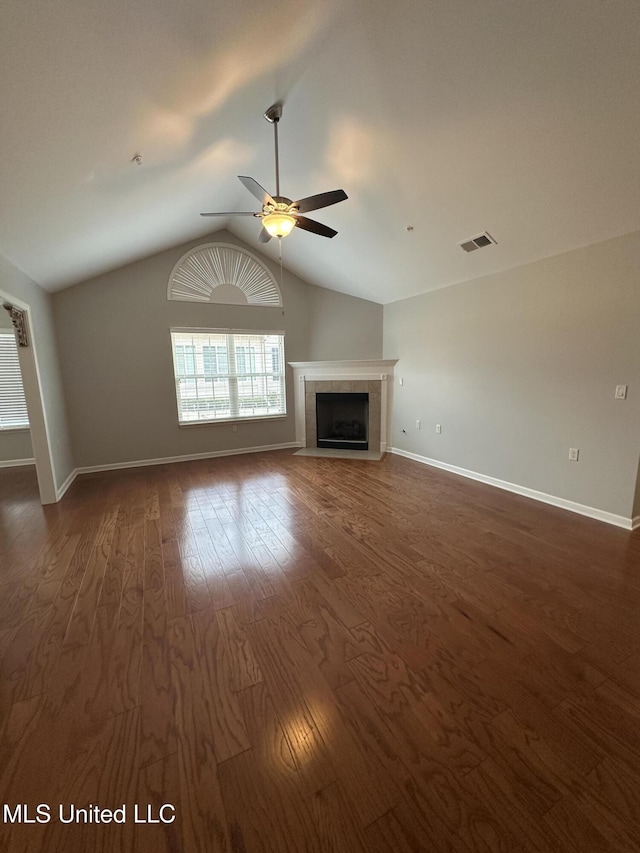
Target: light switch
621,392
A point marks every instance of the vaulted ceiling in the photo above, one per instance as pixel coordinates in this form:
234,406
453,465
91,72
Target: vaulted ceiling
451,116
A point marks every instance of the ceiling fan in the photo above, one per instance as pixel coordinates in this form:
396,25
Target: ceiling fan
280,215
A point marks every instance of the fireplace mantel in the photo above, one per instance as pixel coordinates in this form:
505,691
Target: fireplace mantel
380,370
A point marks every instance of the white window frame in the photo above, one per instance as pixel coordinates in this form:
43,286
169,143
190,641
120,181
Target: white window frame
231,376
12,386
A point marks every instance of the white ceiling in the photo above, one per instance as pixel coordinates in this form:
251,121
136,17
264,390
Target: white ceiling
453,116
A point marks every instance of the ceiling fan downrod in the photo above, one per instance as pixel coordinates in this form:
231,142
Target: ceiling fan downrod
273,116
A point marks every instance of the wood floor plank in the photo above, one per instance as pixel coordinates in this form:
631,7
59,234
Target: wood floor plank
387,834
616,785
611,728
213,679
157,729
29,765
283,674
261,817
322,742
398,694
86,604
203,820
336,829
99,768
262,787
243,666
270,746
518,826
577,834
331,645
123,678
158,786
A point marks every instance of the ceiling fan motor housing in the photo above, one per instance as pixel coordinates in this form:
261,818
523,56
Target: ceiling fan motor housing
282,202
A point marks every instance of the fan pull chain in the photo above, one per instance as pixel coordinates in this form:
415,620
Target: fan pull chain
281,270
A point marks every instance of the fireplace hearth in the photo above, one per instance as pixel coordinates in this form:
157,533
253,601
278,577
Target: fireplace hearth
342,421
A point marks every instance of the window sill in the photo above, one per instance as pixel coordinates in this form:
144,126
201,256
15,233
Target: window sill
4,430
220,421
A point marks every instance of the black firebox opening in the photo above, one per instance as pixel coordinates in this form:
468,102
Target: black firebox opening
342,421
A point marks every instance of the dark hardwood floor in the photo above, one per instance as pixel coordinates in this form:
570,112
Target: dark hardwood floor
305,654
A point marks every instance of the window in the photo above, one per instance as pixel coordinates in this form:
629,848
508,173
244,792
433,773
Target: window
222,375
245,359
13,408
215,360
185,360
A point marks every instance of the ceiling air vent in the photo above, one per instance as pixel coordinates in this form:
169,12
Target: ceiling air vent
478,242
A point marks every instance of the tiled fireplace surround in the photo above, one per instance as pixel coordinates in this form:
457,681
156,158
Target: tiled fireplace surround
374,378
367,386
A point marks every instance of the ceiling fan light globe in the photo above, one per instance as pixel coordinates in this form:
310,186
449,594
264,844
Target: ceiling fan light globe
279,224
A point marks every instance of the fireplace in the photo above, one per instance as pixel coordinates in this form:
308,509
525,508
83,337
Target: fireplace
342,421
372,379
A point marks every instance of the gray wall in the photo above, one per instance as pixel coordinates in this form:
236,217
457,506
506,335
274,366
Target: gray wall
15,445
117,363
17,284
342,327
520,366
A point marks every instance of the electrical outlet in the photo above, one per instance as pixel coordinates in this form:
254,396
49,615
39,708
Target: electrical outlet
438,428
574,453
621,392
417,424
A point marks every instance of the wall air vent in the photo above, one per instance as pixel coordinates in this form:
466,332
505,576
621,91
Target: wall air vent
478,242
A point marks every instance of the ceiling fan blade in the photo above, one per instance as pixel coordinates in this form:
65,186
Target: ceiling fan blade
232,213
256,190
264,236
315,202
315,227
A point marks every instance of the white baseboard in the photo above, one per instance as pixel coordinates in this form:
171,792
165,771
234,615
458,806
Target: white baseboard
167,460
16,463
572,506
63,488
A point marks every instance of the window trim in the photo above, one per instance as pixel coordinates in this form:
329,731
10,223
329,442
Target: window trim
221,331
192,424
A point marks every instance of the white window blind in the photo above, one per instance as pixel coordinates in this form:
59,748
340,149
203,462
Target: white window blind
222,375
13,408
